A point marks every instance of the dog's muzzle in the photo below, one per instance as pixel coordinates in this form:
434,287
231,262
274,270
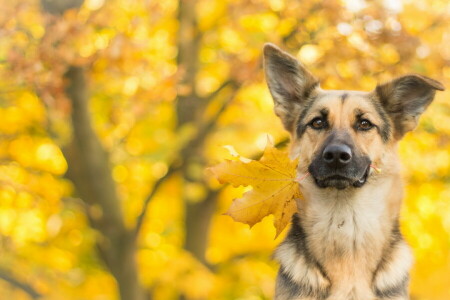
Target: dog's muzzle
337,166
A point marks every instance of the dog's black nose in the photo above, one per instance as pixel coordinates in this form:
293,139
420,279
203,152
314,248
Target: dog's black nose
337,154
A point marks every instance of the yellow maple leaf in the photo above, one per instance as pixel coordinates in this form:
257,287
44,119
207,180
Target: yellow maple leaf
275,189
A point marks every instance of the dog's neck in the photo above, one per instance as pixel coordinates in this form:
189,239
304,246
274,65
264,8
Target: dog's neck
354,223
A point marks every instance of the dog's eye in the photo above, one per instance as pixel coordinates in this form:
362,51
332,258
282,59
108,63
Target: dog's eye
318,123
364,125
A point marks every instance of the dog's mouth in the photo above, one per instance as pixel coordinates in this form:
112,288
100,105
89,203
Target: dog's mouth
341,182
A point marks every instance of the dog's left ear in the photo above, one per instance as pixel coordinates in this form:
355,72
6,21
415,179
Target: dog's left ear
405,99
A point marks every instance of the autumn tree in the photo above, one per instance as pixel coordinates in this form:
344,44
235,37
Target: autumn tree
113,110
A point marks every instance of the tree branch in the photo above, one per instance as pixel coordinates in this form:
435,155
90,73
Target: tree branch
213,94
175,166
208,126
156,186
7,277
300,23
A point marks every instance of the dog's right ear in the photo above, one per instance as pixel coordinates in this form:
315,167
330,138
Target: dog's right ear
289,83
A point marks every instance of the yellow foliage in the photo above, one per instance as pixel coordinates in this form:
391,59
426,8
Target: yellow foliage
129,51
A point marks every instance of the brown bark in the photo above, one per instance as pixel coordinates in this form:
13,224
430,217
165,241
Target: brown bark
58,7
198,221
188,41
189,107
89,169
90,172
15,282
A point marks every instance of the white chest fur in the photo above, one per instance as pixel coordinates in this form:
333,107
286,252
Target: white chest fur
346,232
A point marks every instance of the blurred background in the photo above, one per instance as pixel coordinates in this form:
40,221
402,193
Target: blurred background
111,110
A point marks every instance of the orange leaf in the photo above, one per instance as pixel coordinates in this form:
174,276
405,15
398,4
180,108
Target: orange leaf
274,187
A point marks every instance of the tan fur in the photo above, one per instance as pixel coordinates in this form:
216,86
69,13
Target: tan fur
358,228
346,245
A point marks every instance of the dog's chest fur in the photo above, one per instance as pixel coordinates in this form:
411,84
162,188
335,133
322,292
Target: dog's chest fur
342,227
337,245
343,236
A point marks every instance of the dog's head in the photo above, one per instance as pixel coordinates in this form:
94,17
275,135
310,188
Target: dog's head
336,134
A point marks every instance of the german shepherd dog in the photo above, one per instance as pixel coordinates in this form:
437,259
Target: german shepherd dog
345,242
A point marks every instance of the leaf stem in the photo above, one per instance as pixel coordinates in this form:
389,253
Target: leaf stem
300,179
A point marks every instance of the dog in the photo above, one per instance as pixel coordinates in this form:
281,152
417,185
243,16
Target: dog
345,242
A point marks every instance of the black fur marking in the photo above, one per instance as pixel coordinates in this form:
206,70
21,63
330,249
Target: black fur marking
360,117
396,235
293,289
394,239
344,97
324,112
399,289
307,92
301,126
385,128
297,238
286,284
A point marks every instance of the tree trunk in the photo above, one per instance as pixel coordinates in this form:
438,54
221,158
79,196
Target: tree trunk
90,172
198,221
89,169
189,108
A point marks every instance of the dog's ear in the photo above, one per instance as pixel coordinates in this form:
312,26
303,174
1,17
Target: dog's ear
289,83
405,99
